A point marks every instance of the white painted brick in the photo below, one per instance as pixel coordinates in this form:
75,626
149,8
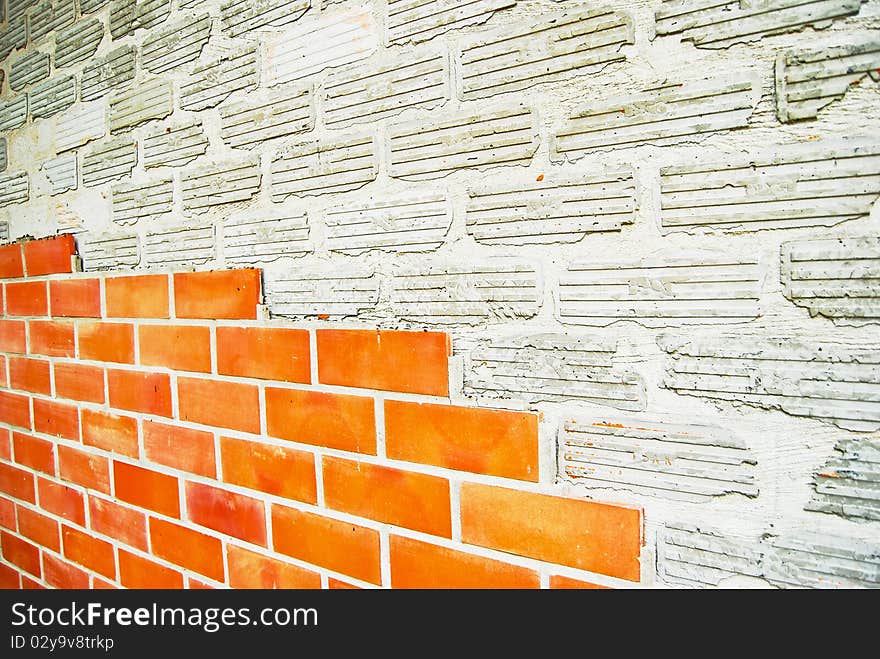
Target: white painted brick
142,201
182,246
109,73
28,69
221,183
13,37
78,42
323,291
80,125
90,6
52,96
4,155
262,117
175,145
13,113
252,238
243,17
178,43
14,188
849,483
110,161
419,20
149,99
127,16
109,251
211,83
51,15
61,173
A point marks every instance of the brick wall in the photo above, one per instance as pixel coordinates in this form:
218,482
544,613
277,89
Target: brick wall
155,433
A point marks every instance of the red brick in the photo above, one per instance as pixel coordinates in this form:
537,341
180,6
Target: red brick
15,409
335,545
4,379
62,574
52,338
85,469
5,444
416,564
267,353
11,261
12,336
56,419
137,572
583,534
181,448
90,552
247,569
412,362
272,469
147,488
190,549
106,342
17,483
30,375
38,454
336,584
9,579
227,512
40,528
100,584
180,347
143,296
110,432
395,496
332,420
7,514
222,404
20,553
558,582
226,294
75,298
79,382
29,584
49,256
27,298
118,522
61,500
140,392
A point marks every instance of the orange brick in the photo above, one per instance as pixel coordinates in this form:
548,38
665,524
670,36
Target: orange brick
267,353
27,298
61,500
85,469
332,420
118,522
335,545
106,342
4,379
181,347
195,584
137,572
140,392
227,294
79,382
336,584
17,483
403,498
276,470
110,432
89,552
100,584
222,404
11,262
30,375
5,444
248,569
38,454
582,534
56,419
181,448
40,528
12,336
29,584
49,256
15,409
9,579
412,362
20,553
75,298
227,512
558,582
416,564
7,514
147,488
62,574
144,296
190,549
52,338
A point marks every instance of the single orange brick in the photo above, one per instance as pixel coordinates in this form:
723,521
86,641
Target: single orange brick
395,496
118,522
222,294
4,379
332,420
85,469
9,579
146,488
180,347
140,392
276,470
17,483
27,298
11,262
143,296
7,514
336,584
582,534
62,574
195,584
100,584
416,564
230,513
15,410
90,552
494,442
330,543
558,582
75,298
79,382
190,549
30,375
56,419
137,572
52,338
267,353
5,444
12,336
38,454
412,362
62,500
20,553
106,342
181,448
40,528
247,569
49,256
110,432
222,404
29,584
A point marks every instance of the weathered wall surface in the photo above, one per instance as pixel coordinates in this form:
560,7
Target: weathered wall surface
653,222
